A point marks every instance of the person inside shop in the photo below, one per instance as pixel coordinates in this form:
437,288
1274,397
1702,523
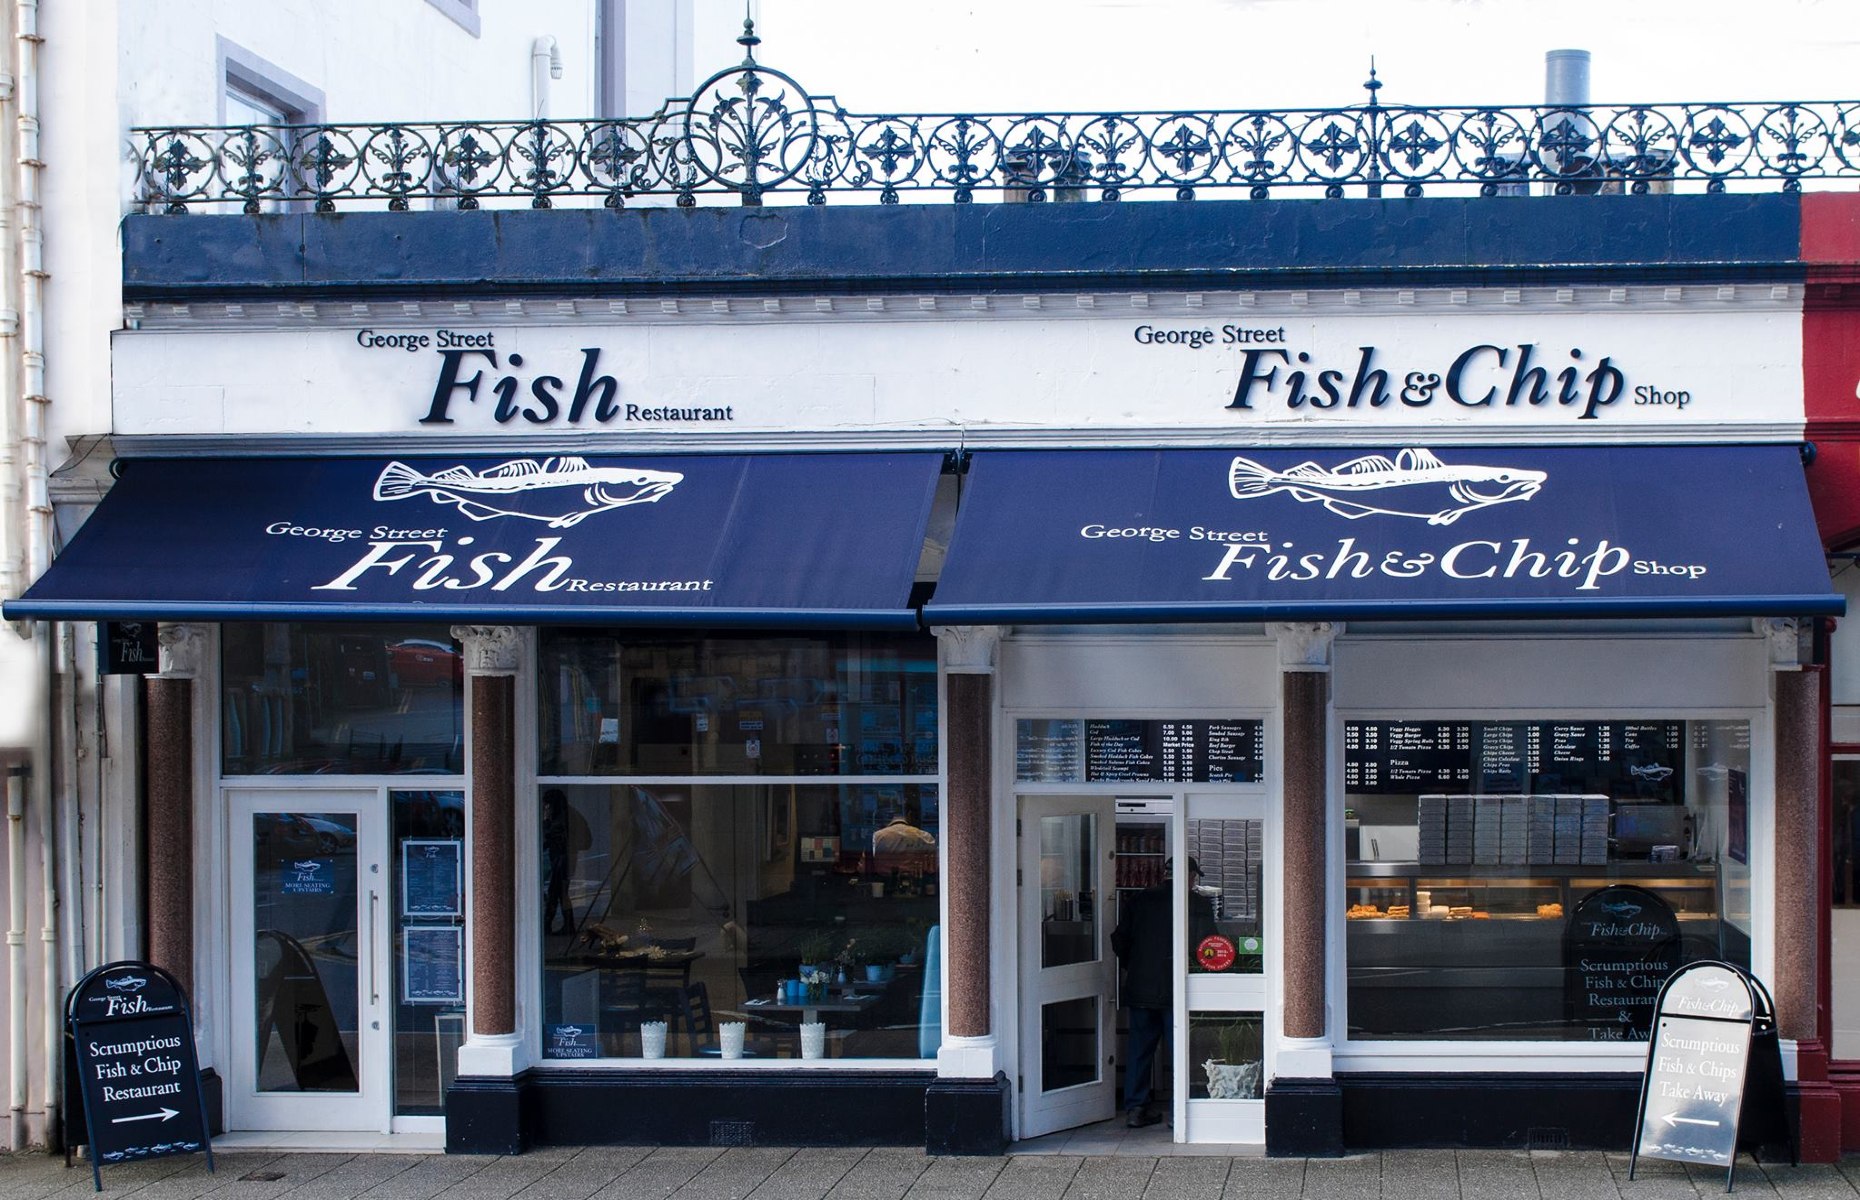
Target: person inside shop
565,835
900,835
1144,947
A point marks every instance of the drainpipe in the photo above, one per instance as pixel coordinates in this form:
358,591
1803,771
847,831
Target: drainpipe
545,64
17,1089
32,293
38,517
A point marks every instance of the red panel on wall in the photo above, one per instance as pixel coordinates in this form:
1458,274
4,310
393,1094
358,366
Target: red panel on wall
1831,361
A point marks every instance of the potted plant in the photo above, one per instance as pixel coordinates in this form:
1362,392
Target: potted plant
1235,1075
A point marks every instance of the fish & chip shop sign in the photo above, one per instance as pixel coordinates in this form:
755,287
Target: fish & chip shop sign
1192,533
1656,374
136,1076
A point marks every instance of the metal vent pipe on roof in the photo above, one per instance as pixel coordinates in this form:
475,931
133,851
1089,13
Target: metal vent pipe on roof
1566,78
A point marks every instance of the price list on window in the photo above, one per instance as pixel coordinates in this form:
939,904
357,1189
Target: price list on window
1623,758
1137,751
1407,756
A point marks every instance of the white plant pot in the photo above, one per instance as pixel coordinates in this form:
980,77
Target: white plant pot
652,1039
813,1039
730,1038
1232,1081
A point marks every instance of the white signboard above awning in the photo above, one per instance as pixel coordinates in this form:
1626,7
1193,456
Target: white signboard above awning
1509,366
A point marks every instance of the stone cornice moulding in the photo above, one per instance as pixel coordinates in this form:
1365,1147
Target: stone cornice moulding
1204,305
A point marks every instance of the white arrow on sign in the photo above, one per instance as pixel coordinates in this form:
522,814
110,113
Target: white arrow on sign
1672,1120
166,1114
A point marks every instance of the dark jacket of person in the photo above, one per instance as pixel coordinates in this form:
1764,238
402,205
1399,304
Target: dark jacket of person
1144,943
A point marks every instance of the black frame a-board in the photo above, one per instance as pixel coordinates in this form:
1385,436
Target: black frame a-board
135,1071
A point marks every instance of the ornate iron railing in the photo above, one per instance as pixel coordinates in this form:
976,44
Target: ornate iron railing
751,131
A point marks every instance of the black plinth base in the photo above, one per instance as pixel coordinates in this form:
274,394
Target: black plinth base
484,1115
1521,1111
967,1116
1304,1118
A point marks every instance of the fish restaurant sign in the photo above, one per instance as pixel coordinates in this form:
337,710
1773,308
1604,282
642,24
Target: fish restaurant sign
724,539
1637,374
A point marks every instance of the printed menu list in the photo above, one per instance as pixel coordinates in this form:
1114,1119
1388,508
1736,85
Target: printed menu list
1174,751
1640,759
1140,751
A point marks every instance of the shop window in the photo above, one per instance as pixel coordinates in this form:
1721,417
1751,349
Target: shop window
1538,879
734,706
778,921
341,700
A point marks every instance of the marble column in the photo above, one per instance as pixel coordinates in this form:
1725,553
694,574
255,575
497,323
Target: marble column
1800,911
967,1108
493,654
968,828
168,774
1304,1105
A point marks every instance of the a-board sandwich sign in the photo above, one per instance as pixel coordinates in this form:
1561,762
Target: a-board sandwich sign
138,1077
1692,1095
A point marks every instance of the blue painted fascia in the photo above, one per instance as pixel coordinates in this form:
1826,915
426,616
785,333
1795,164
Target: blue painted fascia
975,247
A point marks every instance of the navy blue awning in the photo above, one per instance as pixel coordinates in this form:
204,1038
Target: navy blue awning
770,540
1211,535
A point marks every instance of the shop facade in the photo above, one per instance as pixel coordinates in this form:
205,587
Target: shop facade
737,702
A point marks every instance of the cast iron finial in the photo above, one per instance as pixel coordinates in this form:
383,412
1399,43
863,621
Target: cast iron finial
749,41
1372,85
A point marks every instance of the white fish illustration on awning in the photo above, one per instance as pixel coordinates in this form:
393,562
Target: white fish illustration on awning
561,492
1415,483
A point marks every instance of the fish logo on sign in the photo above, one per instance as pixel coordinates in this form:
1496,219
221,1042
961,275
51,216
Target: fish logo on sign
1415,483
1621,910
126,983
1652,772
560,492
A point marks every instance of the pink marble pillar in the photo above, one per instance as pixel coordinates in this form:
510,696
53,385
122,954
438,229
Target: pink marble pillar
168,771
967,656
492,655
1306,700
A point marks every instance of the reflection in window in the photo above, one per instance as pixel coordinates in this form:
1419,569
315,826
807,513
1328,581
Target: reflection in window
341,699
837,704
1068,1043
426,882
305,908
1068,890
669,910
1538,879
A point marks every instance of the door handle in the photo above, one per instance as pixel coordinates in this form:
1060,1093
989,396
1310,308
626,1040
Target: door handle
374,959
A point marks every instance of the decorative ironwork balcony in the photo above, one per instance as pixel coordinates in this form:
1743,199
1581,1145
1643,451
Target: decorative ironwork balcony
752,132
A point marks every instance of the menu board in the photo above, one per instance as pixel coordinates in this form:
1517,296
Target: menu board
430,874
1627,759
1138,751
432,962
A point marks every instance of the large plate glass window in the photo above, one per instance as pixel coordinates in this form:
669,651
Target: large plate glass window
1537,879
687,911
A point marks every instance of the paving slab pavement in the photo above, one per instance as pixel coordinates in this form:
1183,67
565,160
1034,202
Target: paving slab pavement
891,1173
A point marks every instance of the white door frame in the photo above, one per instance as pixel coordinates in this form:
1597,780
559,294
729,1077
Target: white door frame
370,1107
1041,1111
1222,1121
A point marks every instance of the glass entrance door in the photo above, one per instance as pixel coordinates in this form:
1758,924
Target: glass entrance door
1066,968
311,980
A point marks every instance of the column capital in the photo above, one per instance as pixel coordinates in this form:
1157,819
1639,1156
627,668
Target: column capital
183,649
1304,645
1784,635
968,649
490,649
